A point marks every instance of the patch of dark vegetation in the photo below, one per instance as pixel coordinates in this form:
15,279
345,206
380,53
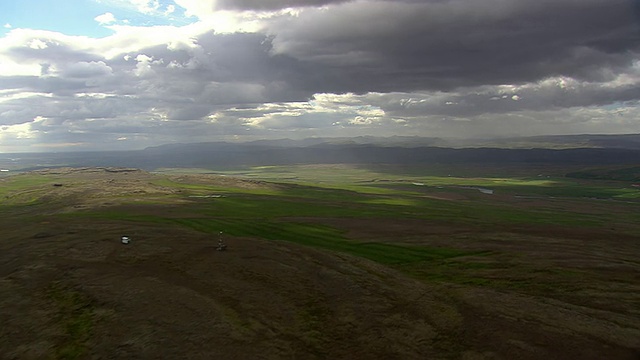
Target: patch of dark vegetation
75,315
617,174
549,282
43,235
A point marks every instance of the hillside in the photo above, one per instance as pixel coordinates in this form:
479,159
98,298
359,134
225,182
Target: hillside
326,261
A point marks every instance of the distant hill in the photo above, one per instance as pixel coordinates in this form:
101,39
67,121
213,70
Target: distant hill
212,154
584,150
627,141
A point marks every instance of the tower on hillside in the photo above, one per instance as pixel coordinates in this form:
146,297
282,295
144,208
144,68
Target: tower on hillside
221,245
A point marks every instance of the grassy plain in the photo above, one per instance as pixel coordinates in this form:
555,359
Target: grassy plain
324,261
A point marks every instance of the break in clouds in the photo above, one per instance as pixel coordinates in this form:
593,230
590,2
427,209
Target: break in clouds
299,68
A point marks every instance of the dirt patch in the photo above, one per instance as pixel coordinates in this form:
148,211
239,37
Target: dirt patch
225,181
442,195
88,187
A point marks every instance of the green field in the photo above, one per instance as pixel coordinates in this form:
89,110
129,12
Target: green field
296,204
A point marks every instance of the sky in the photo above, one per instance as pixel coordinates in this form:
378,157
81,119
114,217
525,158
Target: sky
127,74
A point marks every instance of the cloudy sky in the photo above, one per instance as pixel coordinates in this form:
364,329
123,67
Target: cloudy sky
126,74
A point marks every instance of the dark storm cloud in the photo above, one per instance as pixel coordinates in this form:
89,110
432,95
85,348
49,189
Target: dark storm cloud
54,85
399,46
229,69
270,4
57,109
488,100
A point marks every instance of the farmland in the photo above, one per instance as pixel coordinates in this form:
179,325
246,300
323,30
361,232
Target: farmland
324,261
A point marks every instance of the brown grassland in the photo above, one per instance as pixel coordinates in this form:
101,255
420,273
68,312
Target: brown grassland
332,262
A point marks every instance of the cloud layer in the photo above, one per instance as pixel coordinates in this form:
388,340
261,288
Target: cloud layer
298,68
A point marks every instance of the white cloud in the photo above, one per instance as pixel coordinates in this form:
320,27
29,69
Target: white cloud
37,44
106,18
130,39
7,26
361,120
143,67
11,68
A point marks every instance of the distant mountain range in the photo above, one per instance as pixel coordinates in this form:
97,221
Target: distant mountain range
627,141
574,149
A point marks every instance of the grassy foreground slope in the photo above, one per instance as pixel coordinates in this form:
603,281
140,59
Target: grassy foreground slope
323,262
